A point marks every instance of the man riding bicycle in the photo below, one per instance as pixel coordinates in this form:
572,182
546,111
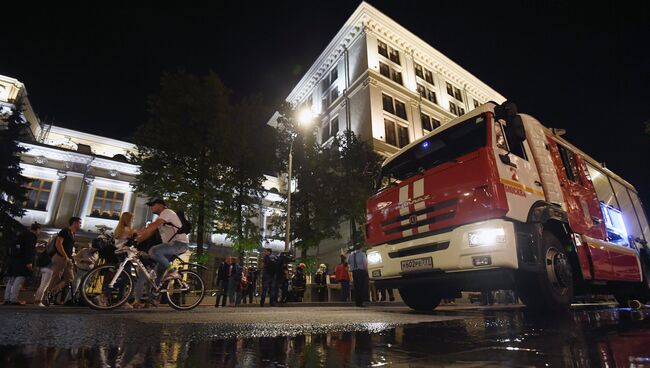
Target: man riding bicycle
174,243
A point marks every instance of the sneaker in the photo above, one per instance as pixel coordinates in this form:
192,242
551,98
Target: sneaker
41,304
127,306
138,305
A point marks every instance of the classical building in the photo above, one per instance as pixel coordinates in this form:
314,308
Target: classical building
73,173
387,85
79,174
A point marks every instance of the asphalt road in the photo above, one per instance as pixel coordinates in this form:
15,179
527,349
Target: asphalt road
323,336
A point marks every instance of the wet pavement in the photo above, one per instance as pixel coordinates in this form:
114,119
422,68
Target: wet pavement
324,337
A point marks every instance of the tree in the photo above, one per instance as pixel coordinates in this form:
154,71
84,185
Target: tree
313,217
354,166
247,161
181,149
12,184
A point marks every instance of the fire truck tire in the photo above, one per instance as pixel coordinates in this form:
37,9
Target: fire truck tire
419,299
551,287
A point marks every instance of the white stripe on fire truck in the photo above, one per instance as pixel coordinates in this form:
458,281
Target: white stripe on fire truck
403,200
408,232
423,229
418,191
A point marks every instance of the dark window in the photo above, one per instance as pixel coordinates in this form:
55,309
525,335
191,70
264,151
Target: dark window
394,56
450,89
428,76
403,133
325,102
570,164
457,94
325,133
384,70
418,70
334,94
435,123
422,91
387,101
426,122
476,104
461,111
334,74
400,109
452,108
38,194
396,76
334,127
382,48
431,96
389,128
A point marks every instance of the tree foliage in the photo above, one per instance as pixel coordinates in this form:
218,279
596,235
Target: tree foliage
12,184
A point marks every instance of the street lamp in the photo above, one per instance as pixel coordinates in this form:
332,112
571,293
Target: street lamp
305,117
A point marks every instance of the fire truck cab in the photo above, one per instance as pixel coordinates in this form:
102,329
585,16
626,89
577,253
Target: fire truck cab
494,200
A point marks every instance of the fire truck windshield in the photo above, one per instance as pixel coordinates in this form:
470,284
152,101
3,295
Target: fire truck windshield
464,137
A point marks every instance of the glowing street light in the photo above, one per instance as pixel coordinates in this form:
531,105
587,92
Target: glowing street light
305,117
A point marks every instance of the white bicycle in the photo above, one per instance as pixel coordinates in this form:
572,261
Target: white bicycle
110,286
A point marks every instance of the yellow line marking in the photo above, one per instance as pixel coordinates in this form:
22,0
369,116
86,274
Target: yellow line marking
522,187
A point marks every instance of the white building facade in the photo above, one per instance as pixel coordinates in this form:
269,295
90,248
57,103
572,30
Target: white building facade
386,85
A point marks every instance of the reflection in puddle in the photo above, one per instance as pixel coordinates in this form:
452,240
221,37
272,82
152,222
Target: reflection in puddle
587,338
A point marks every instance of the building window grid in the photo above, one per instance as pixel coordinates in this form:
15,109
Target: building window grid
396,134
38,194
394,106
391,73
329,129
425,84
429,123
388,52
454,92
455,109
107,204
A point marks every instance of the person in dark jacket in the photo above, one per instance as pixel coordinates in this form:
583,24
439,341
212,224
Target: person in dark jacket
320,279
222,282
234,281
269,277
283,276
299,282
19,265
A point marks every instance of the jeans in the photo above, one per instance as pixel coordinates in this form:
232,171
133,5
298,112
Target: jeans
223,293
159,252
46,276
269,284
345,290
14,284
233,286
138,290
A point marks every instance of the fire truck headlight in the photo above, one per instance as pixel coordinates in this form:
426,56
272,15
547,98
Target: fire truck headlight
374,258
486,237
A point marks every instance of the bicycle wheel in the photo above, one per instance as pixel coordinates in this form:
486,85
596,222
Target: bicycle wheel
96,292
185,292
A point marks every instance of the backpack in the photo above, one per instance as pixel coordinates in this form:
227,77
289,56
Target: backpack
43,259
186,225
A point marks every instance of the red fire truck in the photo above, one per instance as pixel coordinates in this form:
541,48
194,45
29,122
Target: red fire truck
494,200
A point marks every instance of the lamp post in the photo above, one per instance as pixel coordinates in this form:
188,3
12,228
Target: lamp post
304,117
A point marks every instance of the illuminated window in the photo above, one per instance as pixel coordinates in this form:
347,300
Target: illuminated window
38,194
107,204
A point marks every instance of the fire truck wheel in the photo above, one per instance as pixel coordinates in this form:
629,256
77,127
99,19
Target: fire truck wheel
419,300
551,287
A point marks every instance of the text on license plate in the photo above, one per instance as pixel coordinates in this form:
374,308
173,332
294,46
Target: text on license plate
417,264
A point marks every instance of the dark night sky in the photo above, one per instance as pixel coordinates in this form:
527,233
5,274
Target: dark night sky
584,66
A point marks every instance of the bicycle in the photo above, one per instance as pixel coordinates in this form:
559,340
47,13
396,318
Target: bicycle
108,287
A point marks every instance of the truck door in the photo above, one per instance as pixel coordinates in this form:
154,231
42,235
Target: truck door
582,206
517,170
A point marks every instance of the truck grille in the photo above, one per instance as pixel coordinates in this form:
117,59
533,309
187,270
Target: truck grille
389,226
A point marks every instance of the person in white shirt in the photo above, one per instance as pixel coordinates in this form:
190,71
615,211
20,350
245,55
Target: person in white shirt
174,243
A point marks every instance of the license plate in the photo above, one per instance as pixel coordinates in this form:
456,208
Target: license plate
417,264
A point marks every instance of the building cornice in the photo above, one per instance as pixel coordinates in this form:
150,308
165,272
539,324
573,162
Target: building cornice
93,138
64,155
367,19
